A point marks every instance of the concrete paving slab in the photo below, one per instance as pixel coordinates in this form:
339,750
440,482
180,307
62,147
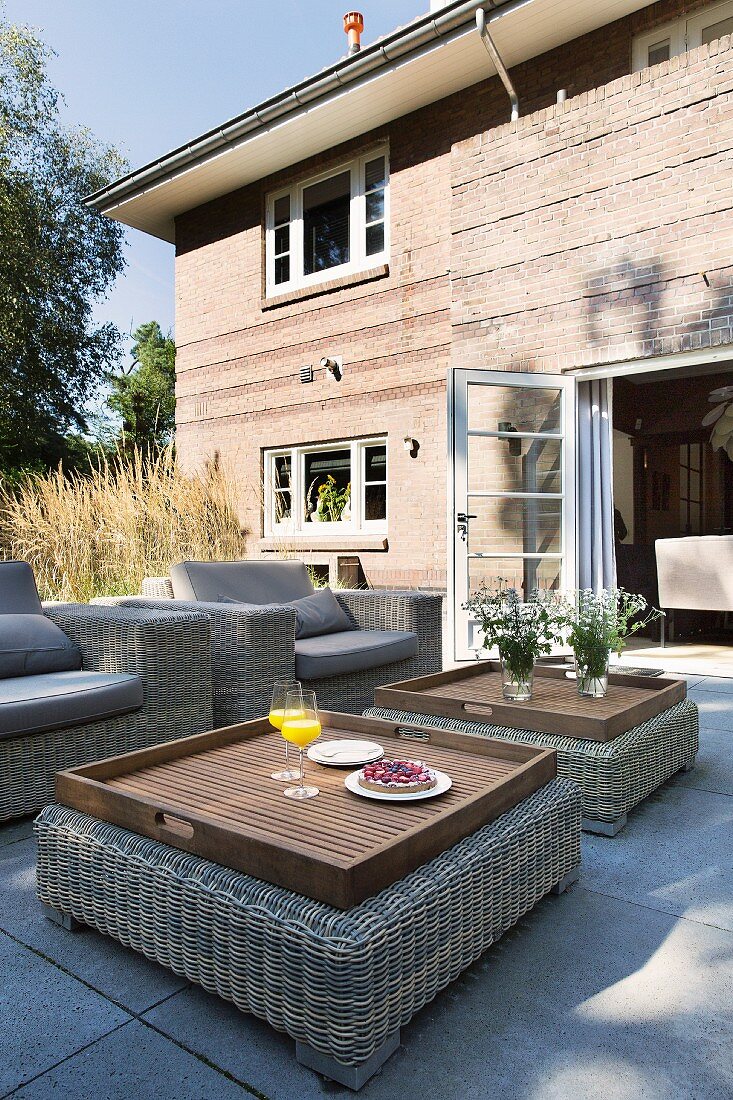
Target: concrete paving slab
13,831
121,974
714,707
717,683
713,769
582,1001
158,1070
675,854
46,1015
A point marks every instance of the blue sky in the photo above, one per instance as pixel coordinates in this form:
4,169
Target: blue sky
147,76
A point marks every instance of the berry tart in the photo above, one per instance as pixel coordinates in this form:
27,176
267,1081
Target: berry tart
397,777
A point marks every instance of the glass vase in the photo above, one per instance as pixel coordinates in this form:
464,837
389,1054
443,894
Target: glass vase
592,679
516,684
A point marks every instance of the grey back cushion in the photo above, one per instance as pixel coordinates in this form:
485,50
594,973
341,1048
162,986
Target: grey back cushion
32,644
318,614
18,592
256,582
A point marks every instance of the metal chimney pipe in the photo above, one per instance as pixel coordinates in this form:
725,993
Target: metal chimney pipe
353,27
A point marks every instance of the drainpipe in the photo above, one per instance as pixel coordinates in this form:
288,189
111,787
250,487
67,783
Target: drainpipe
482,27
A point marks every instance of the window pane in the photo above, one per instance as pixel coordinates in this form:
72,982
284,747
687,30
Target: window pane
375,207
514,466
524,574
375,239
327,483
282,471
507,408
375,502
375,173
282,209
512,525
326,214
283,506
659,52
717,30
375,463
282,239
282,269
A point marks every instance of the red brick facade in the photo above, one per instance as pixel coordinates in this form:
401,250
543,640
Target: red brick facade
576,235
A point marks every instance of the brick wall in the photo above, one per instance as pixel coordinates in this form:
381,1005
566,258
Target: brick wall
533,245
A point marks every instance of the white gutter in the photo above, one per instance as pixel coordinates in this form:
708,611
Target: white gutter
483,29
385,54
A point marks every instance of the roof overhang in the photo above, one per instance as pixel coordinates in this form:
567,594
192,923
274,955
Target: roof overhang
430,58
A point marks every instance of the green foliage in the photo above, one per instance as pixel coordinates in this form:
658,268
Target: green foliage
521,631
56,259
600,623
145,396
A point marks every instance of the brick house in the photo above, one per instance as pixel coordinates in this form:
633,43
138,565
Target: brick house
381,278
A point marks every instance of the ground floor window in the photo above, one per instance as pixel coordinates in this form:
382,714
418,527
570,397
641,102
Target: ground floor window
327,488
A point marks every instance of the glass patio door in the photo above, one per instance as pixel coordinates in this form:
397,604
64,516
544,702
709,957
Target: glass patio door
514,487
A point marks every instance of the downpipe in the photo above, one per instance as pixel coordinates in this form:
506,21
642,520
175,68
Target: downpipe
482,26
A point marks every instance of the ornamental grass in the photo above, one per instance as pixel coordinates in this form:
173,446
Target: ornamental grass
98,533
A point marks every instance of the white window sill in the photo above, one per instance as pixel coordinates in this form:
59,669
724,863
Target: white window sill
324,541
324,286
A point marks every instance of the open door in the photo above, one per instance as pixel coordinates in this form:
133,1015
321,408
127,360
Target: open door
513,513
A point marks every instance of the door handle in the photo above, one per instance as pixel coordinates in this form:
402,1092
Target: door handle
462,524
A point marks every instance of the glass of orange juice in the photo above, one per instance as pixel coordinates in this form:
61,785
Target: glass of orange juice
301,725
280,692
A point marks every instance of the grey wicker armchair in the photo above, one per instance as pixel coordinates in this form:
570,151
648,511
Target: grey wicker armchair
155,667
254,644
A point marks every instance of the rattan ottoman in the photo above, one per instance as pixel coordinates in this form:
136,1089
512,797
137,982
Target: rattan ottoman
341,983
614,776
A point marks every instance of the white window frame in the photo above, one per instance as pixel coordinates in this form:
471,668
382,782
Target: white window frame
297,525
359,261
684,33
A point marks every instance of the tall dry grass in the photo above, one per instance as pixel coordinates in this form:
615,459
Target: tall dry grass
100,533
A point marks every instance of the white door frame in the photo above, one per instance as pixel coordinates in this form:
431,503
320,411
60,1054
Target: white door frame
458,381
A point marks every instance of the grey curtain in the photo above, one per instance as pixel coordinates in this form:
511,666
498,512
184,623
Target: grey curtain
596,551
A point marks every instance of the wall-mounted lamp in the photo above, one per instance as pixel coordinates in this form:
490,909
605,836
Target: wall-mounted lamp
334,366
515,445
411,446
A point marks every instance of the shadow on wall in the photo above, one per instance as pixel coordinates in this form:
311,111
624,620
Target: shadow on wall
638,292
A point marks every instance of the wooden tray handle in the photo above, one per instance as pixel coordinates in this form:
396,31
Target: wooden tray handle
481,710
411,734
174,826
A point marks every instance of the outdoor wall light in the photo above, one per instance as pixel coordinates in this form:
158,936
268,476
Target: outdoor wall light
515,445
334,367
411,446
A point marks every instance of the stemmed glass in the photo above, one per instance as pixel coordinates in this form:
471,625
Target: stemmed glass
301,725
280,692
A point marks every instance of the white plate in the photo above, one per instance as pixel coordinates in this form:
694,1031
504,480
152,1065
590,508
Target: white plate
444,783
345,754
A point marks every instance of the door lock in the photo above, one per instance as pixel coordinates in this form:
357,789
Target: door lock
462,523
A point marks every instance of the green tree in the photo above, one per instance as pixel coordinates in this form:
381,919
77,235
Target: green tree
145,396
56,259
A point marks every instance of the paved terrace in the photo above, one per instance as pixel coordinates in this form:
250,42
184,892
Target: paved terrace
620,989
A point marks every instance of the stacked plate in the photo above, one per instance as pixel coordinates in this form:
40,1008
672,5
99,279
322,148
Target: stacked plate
345,754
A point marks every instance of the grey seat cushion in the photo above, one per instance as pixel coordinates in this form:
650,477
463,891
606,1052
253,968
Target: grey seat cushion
32,644
258,582
351,651
18,592
31,704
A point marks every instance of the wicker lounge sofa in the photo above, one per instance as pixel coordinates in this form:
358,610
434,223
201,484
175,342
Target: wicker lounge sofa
385,636
81,682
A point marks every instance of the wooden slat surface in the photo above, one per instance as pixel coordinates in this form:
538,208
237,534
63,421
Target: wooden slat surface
214,795
555,707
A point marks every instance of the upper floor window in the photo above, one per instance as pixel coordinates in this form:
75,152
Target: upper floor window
336,488
670,39
330,225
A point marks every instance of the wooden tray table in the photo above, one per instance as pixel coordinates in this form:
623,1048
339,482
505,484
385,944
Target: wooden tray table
474,693
212,795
